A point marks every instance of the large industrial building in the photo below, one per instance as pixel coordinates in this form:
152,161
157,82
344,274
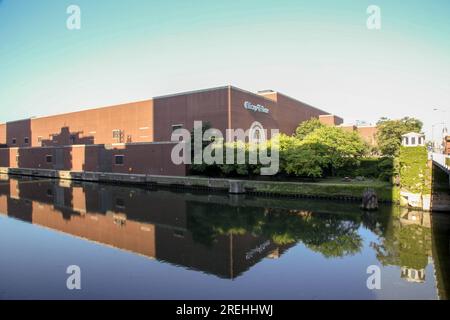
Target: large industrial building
136,137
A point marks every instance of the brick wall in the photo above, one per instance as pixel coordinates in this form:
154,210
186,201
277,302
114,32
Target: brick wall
145,158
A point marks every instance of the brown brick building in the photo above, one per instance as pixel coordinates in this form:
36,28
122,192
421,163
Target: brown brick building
154,120
135,137
368,133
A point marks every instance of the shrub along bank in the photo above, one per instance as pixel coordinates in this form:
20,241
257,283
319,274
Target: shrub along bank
315,151
326,155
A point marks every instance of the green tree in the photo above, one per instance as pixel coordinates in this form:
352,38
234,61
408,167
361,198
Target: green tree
305,160
390,133
307,127
339,148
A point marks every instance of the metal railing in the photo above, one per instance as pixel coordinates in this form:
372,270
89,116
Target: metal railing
441,160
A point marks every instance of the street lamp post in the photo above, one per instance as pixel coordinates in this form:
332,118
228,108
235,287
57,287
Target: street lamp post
444,126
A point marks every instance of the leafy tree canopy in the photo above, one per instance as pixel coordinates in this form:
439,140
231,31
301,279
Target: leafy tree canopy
343,147
307,127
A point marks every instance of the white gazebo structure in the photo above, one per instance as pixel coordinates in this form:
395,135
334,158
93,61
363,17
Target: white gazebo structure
413,139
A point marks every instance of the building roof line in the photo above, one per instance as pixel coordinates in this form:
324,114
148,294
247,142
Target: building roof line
268,92
77,111
190,92
259,95
90,109
325,113
252,93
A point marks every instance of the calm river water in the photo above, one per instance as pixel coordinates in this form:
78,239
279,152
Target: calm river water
153,244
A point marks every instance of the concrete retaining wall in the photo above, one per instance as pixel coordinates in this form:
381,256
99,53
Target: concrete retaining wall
285,189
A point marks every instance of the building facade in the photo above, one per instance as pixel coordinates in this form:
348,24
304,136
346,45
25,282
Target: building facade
136,137
413,139
367,133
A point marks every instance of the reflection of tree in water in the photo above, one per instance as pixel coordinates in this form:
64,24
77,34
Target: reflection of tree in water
333,235
378,222
405,245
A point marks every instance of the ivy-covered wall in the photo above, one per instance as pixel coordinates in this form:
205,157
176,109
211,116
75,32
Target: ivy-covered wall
415,175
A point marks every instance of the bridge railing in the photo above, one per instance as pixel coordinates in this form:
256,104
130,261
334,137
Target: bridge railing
440,159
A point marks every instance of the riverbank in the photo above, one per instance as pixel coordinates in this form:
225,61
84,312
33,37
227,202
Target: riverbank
323,189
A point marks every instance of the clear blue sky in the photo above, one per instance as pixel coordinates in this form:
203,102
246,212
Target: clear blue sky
317,51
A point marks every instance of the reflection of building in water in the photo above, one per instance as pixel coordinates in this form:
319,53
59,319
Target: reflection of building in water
275,254
153,224
420,218
407,244
413,275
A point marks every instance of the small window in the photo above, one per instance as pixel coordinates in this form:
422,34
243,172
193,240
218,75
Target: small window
257,135
49,158
26,140
119,160
116,134
120,203
178,234
413,141
73,139
406,140
14,140
176,127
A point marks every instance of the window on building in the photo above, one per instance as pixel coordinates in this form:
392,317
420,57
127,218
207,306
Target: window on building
119,160
117,134
176,127
406,140
120,221
26,140
413,141
178,234
49,158
73,139
257,134
120,203
14,140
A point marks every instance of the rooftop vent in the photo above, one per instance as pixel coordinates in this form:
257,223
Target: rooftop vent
265,91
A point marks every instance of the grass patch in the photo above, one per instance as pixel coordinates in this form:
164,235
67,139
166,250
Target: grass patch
329,188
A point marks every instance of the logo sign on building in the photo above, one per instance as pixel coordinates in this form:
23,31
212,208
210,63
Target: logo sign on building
255,108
